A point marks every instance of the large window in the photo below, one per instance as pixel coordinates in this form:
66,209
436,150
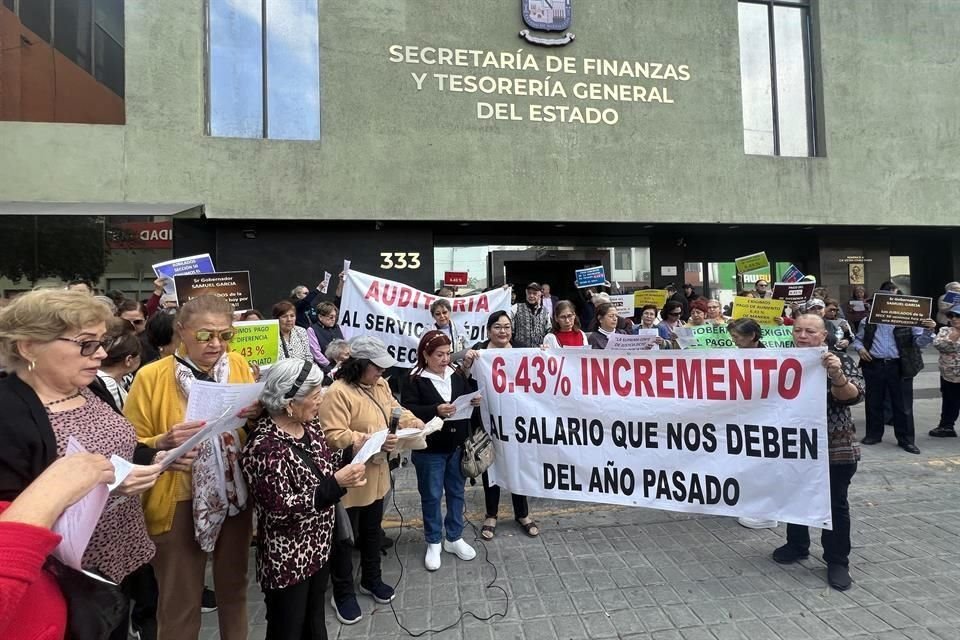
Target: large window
777,78
264,69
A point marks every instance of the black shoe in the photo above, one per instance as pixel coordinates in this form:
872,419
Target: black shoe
208,601
910,448
788,554
943,432
869,440
838,576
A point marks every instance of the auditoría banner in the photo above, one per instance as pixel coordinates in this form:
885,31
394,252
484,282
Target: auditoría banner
398,314
725,432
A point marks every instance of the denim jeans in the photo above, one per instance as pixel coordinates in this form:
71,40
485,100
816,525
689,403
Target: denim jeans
439,474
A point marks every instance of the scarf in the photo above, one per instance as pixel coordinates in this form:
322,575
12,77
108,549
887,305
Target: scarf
218,487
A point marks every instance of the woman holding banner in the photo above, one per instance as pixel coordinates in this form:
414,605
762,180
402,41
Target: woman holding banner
500,330
187,515
566,330
607,319
429,392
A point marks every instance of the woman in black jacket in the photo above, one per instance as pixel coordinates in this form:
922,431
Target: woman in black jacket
429,392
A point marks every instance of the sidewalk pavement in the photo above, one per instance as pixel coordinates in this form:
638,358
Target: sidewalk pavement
599,571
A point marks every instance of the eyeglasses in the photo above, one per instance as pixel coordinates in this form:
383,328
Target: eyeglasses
566,316
90,347
501,327
204,335
137,322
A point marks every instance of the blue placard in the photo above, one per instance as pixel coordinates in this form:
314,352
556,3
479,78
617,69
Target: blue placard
951,297
590,277
182,267
792,275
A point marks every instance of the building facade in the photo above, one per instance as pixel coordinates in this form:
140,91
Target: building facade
414,136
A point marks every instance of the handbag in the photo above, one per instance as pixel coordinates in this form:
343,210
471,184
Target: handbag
95,608
477,453
342,529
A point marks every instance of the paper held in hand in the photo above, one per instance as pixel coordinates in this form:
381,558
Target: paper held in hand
464,408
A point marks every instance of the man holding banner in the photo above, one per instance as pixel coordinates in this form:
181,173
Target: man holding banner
845,388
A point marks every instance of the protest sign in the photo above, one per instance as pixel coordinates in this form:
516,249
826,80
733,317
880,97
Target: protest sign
590,277
624,305
725,432
763,310
232,285
631,342
649,296
793,293
752,262
900,311
325,285
456,278
258,341
716,336
182,267
951,297
792,275
399,314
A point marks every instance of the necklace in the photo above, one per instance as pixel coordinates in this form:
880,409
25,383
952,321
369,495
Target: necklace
70,397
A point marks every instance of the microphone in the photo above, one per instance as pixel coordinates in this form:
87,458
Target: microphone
394,420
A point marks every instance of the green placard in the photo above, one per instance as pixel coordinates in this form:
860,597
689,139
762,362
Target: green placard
715,336
258,341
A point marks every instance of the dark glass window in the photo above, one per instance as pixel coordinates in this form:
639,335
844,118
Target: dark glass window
10,4
776,77
35,15
72,29
264,69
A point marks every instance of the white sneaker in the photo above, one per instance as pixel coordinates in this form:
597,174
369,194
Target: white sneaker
460,548
758,523
432,560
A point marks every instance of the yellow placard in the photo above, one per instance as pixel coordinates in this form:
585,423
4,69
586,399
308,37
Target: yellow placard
752,262
762,310
258,341
649,296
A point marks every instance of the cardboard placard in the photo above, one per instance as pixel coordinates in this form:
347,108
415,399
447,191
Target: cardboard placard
258,341
763,310
793,293
752,262
232,285
899,311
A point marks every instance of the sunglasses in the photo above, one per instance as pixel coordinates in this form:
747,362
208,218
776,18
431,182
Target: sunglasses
204,335
675,313
90,347
136,323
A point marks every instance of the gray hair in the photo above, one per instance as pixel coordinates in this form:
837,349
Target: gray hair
280,379
335,349
293,292
107,302
438,303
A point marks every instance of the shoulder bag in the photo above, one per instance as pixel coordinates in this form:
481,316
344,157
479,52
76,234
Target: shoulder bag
477,453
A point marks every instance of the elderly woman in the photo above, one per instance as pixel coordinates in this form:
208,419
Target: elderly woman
359,404
337,353
428,392
325,330
566,331
133,312
203,507
500,336
947,342
669,321
857,308
714,312
698,312
442,313
294,341
52,343
295,480
607,319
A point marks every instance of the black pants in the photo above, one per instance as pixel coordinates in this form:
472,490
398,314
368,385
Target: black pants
836,543
491,495
141,587
296,612
366,522
950,405
883,380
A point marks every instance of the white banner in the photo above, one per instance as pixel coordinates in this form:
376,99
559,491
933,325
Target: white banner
726,432
399,314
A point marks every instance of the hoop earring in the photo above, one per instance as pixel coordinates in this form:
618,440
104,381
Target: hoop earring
32,365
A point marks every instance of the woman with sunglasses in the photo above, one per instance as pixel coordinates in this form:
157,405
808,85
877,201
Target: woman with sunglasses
669,322
500,336
201,507
52,343
295,480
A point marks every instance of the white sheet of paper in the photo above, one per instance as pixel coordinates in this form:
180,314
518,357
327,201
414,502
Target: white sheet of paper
685,337
213,401
408,433
326,282
346,267
464,410
371,447
858,305
213,427
77,523
121,469
630,342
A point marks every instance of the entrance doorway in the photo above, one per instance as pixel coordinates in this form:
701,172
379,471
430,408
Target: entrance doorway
555,267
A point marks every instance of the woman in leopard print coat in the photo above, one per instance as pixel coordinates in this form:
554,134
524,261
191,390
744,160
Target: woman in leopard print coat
295,480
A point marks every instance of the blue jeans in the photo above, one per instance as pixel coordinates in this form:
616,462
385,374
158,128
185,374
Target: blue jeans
439,474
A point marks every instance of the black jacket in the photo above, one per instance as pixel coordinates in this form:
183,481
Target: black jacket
422,399
326,335
27,442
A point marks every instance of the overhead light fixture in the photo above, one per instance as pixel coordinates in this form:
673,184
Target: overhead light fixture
250,234
559,225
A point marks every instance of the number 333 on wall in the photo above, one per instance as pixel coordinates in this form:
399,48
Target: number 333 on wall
399,260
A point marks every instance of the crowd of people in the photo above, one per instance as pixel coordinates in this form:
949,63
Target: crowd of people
113,376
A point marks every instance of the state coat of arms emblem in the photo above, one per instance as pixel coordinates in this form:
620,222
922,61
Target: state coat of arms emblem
547,15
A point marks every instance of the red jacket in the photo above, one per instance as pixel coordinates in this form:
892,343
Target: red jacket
31,605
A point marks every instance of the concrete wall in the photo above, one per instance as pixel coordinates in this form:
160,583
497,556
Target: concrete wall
389,151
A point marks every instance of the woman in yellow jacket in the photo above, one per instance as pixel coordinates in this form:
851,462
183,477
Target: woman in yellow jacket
360,403
193,512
